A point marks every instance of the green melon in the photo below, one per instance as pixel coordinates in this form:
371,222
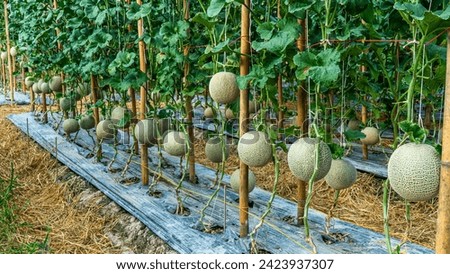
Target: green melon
302,159
342,174
121,117
87,122
353,124
56,83
44,87
235,180
71,126
208,113
414,171
223,87
145,131
29,81
67,103
372,136
254,149
105,130
35,88
83,89
175,143
213,150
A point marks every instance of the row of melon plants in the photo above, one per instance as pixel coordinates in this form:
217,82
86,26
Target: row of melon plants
99,39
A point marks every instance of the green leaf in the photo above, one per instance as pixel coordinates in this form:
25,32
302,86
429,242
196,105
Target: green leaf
414,131
321,68
265,30
202,19
354,135
337,152
215,7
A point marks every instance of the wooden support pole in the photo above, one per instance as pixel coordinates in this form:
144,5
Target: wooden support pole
4,76
189,109
8,50
32,99
365,151
443,216
302,122
94,87
13,67
244,115
143,93
44,107
22,82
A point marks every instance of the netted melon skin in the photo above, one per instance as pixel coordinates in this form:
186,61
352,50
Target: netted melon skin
254,149
87,122
208,113
223,87
235,180
119,113
414,172
213,150
302,159
70,126
175,143
372,136
105,130
56,83
342,174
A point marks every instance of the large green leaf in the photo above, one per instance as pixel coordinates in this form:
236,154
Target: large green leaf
215,7
321,68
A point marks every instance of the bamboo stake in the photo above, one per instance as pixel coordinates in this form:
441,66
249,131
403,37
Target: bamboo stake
244,116
13,67
44,107
443,217
8,50
189,109
4,76
22,82
96,113
302,122
365,151
143,91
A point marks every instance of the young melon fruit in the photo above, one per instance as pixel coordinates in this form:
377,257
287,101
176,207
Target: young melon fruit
35,88
175,143
87,122
13,51
353,124
302,159
145,131
44,87
342,174
121,117
83,89
254,149
213,150
29,81
4,55
223,87
71,126
67,103
56,83
414,171
208,113
229,114
235,180
372,136
105,130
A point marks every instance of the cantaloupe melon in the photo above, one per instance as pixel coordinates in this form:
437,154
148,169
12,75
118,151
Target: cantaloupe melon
29,81
121,117
87,122
213,150
208,113
353,124
56,83
4,55
175,143
35,88
302,159
70,126
254,149
13,51
44,87
105,130
67,103
235,180
146,131
342,174
372,136
223,87
229,114
83,89
414,171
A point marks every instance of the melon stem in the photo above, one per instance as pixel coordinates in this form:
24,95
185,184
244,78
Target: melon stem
386,197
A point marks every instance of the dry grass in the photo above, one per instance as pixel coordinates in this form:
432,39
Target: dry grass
47,207
361,204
